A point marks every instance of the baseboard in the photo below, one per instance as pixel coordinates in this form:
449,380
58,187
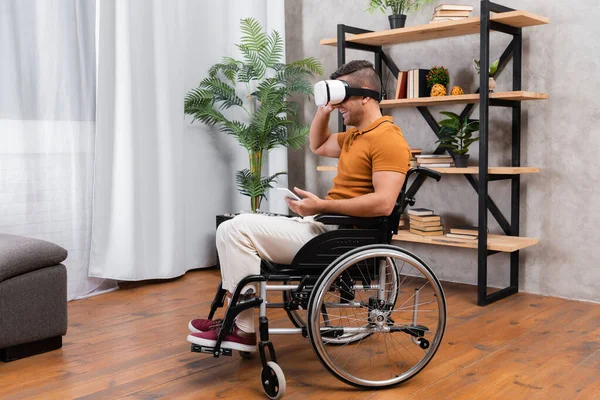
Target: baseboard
30,349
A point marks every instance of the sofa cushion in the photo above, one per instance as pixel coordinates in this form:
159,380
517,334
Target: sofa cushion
19,255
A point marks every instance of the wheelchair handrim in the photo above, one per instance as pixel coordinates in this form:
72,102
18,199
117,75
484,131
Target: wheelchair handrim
329,277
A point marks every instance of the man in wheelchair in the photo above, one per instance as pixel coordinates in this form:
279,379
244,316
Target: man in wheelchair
373,160
374,313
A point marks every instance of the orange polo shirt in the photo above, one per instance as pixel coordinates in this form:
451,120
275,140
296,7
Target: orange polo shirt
379,147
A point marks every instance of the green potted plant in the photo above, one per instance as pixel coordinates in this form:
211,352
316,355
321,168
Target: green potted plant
438,76
457,134
493,69
398,8
259,86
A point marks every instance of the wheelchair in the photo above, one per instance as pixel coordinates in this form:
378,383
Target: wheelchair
374,314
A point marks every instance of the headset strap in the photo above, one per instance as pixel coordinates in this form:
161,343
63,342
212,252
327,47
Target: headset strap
363,92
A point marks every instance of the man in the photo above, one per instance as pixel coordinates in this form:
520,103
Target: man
373,161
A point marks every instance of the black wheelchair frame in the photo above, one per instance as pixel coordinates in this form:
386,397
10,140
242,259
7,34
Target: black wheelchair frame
307,267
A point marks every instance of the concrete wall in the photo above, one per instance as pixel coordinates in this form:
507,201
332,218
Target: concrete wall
559,205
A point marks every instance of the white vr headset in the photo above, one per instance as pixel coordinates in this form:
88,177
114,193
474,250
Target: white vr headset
337,91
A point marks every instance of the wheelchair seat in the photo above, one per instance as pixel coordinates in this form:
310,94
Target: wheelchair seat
353,232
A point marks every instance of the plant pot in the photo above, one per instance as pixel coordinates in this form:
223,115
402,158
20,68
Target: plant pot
491,84
462,160
397,21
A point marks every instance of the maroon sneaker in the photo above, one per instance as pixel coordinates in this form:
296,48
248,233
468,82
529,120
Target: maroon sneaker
238,340
203,325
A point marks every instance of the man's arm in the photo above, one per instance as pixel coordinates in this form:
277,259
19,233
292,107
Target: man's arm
387,185
322,141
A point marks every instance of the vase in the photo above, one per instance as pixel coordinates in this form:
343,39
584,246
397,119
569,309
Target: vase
491,84
397,21
461,160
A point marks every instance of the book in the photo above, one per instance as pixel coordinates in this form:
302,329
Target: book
423,233
465,230
457,236
445,19
434,156
437,165
419,211
409,84
421,224
427,228
425,218
401,85
434,160
416,150
451,13
420,85
454,7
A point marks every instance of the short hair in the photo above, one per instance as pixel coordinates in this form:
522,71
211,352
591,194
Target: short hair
361,73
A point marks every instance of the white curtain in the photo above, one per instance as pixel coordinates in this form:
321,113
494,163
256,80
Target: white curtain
47,128
159,181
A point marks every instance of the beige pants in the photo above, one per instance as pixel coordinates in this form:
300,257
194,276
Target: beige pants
245,239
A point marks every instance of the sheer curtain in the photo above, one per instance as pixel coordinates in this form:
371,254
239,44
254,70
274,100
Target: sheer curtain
159,181
47,128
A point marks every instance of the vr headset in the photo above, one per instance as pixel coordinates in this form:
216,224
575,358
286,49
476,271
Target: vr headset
337,91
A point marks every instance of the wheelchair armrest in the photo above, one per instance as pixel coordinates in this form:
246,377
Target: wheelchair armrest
336,219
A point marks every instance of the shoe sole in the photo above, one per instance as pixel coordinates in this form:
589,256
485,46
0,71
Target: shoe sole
225,345
192,329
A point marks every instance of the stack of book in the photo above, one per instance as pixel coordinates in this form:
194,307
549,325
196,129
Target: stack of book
412,84
425,222
464,232
413,159
435,160
451,12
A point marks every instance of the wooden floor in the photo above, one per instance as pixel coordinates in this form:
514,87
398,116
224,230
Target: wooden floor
132,344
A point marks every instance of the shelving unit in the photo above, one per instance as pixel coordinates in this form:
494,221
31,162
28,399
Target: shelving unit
493,17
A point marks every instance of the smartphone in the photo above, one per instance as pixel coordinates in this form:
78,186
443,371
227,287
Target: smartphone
285,192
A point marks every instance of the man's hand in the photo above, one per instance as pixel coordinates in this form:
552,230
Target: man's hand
309,205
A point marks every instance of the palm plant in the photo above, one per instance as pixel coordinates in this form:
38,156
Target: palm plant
270,119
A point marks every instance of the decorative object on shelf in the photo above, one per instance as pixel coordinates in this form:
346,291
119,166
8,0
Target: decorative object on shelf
451,12
493,69
438,90
456,91
271,120
399,9
457,134
438,76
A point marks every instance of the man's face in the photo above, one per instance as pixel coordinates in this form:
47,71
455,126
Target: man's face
352,109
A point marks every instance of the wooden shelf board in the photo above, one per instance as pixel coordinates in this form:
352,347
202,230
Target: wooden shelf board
438,30
461,99
467,170
495,242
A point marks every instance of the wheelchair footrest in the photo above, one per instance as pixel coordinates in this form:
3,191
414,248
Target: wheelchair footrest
210,350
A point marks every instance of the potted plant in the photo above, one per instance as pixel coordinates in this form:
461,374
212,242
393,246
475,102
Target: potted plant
493,69
398,8
259,86
438,76
457,134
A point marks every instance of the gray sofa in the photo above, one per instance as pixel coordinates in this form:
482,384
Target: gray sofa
33,296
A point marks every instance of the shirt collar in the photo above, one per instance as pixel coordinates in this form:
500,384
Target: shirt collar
372,125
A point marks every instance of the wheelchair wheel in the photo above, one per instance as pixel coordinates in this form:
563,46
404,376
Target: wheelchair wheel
400,322
299,317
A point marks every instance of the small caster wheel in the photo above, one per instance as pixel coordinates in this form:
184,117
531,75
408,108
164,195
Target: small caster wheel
247,355
424,343
273,381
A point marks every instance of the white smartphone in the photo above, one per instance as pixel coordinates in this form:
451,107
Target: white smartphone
285,192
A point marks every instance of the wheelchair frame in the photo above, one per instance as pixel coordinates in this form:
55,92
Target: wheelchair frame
320,256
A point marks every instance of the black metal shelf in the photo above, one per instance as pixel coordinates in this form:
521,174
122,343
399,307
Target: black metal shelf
513,52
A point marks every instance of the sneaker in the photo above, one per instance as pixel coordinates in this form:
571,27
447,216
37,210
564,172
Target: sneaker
203,325
238,340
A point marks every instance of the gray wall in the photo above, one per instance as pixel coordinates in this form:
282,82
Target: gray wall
559,205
